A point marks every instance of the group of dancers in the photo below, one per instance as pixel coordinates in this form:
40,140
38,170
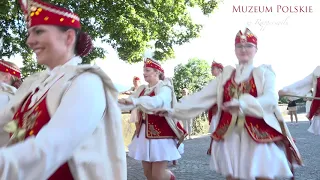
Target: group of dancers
65,122
249,139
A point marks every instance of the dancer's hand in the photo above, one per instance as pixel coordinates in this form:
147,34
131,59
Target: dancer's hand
127,101
232,106
122,101
281,93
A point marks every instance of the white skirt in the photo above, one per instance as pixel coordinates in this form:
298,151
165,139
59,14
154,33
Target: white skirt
154,150
241,157
315,125
181,148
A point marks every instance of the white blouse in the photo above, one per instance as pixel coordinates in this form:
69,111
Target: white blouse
77,117
299,88
6,91
160,100
46,79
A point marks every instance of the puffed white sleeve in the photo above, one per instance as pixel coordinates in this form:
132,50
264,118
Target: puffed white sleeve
126,107
78,115
301,87
4,100
191,106
153,102
6,115
256,106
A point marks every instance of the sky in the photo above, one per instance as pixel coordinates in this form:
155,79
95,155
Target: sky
286,40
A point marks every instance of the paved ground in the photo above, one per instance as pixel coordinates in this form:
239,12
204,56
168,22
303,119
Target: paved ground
194,164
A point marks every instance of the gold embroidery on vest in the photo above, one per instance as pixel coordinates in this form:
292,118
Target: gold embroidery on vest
258,133
152,131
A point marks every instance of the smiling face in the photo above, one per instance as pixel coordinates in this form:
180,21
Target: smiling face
245,52
150,75
51,45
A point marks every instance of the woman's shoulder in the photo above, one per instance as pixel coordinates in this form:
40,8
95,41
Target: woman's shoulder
265,68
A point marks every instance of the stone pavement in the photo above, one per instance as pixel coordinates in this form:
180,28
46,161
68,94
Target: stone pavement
194,164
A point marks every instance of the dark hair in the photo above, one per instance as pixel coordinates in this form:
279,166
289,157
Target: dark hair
83,41
16,82
161,76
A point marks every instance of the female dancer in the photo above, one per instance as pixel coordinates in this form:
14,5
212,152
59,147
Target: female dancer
248,135
10,80
64,122
216,70
157,138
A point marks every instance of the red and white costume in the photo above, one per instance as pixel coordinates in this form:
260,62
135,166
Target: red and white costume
65,122
249,144
6,90
213,110
302,88
156,137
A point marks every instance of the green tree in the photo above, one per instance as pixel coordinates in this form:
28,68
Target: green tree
193,76
126,25
283,100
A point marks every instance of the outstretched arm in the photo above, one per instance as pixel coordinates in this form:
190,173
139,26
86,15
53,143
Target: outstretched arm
150,103
299,88
193,105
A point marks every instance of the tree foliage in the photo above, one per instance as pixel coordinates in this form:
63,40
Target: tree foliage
193,76
285,100
126,25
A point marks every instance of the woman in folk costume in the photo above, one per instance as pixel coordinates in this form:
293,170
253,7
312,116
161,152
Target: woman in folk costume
10,80
249,140
136,84
157,138
64,122
302,88
216,70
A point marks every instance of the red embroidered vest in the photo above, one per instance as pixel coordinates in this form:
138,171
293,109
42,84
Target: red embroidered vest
315,105
257,128
156,126
33,119
212,112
